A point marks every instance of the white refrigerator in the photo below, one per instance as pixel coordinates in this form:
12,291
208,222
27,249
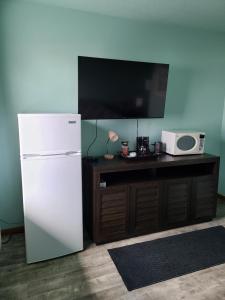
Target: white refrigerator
50,155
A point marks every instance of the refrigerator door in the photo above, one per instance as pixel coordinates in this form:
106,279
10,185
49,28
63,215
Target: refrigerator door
52,199
49,133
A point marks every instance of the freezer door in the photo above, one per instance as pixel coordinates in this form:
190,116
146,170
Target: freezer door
49,133
52,199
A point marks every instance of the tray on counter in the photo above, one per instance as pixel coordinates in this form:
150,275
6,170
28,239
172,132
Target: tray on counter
139,157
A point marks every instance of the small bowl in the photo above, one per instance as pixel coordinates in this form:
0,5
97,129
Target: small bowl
109,156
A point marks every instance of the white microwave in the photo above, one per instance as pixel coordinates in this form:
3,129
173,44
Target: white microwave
183,142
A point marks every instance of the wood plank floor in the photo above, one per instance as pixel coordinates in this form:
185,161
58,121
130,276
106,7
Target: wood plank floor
91,274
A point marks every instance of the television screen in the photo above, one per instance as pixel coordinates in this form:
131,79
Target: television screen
119,89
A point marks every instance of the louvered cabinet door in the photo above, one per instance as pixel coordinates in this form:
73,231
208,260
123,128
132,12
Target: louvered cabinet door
204,197
177,199
145,208
111,214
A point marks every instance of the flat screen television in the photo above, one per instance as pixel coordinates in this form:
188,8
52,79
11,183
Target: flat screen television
120,89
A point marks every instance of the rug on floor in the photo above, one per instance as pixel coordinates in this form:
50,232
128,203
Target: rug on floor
154,261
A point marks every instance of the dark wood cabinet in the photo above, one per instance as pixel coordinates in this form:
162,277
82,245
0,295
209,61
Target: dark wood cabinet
177,201
144,207
204,197
141,197
111,214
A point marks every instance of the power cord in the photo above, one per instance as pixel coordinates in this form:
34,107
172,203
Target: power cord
8,239
95,138
137,127
9,236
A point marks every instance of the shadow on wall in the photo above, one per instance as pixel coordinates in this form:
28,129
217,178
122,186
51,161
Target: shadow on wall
10,182
11,209
10,177
179,83
222,162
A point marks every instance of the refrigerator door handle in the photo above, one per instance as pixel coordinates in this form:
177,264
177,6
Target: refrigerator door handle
73,153
25,156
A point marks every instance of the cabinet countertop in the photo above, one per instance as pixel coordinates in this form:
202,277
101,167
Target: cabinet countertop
164,160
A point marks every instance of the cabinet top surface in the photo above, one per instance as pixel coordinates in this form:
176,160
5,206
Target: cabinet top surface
101,164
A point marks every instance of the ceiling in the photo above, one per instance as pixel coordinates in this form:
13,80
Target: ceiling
203,14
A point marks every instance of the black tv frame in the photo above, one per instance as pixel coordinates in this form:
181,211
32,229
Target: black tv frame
84,117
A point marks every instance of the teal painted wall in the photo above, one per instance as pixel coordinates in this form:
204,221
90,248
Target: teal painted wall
222,155
38,59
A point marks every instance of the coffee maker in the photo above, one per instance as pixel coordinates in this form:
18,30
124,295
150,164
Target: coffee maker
142,146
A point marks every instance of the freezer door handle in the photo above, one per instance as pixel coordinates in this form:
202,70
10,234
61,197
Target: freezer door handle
35,155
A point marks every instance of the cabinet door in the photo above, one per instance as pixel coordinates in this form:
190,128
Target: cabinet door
145,208
111,214
204,197
177,199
